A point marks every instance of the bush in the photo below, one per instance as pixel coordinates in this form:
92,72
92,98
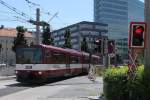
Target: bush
117,85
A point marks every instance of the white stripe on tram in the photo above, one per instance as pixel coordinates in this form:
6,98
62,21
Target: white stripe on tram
48,66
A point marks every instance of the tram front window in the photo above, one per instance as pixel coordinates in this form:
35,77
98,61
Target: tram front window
28,55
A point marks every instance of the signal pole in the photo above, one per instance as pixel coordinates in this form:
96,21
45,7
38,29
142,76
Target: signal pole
147,50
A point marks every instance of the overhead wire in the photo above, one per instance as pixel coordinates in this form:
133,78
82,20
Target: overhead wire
23,16
15,10
32,3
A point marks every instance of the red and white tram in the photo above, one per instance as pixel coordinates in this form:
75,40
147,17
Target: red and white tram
42,62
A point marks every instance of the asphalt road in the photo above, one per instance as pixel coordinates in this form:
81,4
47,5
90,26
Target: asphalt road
77,87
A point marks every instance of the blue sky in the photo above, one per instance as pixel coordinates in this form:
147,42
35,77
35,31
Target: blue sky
69,12
142,0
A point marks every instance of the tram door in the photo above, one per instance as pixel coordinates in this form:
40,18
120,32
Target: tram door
68,71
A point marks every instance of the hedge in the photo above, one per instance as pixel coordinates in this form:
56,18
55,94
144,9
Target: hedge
117,85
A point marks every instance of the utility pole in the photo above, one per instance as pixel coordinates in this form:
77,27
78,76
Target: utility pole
147,50
37,26
6,54
38,23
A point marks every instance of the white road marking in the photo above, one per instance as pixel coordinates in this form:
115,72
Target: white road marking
5,83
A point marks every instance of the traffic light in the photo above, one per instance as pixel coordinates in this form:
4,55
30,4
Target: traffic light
98,42
137,38
137,35
111,46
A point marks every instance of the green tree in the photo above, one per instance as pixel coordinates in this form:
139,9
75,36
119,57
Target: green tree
67,37
20,39
47,39
84,45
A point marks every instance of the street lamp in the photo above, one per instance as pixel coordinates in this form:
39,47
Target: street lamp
6,53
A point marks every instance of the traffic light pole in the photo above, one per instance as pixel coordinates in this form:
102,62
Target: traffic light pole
105,52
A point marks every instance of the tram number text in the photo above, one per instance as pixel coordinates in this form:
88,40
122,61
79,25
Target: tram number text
28,67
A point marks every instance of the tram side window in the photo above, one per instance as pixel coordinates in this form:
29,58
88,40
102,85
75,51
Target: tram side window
74,59
95,61
59,58
86,60
47,53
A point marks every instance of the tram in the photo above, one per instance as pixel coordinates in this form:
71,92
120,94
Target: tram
39,63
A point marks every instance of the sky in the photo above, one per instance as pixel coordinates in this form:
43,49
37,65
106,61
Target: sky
69,12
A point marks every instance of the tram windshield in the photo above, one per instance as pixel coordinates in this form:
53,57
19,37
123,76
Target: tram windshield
28,55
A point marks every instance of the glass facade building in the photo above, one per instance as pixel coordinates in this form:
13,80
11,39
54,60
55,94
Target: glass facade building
136,11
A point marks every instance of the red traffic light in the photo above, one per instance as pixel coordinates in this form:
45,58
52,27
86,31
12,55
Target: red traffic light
138,30
137,35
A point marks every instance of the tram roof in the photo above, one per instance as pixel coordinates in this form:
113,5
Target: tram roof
95,56
64,50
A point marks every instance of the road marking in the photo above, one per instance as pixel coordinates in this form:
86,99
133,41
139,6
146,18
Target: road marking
3,86
5,83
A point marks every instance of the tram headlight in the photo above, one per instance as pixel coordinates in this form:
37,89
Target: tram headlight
16,72
40,73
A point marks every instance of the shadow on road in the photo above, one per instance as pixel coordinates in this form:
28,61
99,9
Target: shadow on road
48,83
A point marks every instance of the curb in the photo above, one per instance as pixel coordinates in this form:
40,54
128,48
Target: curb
93,97
7,77
96,98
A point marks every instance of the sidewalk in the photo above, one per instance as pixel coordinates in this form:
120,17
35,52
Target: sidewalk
7,77
81,98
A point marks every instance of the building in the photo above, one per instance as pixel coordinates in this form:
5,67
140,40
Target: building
135,11
117,14
90,30
7,36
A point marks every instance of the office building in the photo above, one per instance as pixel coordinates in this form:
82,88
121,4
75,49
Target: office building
90,30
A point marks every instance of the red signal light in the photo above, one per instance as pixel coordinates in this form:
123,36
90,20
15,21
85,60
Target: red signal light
138,31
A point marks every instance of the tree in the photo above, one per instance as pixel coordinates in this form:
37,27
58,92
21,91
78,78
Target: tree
47,39
84,46
67,37
32,43
20,39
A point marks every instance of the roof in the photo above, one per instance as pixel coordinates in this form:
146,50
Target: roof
82,22
70,51
58,49
63,50
12,32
